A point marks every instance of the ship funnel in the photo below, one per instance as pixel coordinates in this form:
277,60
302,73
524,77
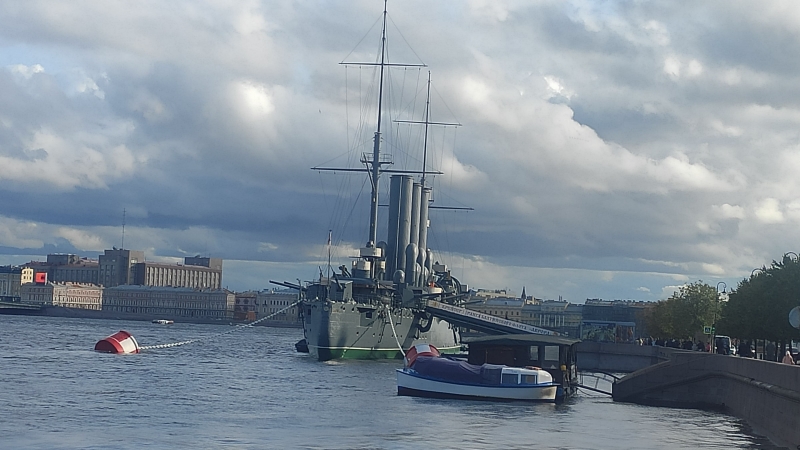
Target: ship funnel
394,217
416,195
422,241
411,264
404,221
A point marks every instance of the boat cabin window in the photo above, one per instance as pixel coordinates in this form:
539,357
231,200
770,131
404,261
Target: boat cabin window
509,378
529,379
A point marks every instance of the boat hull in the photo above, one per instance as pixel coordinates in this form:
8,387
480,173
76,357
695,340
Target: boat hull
349,330
413,384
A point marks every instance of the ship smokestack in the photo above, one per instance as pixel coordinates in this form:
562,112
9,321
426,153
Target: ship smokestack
411,264
404,222
394,218
416,195
422,242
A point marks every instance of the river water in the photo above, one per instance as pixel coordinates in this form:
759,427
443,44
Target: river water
250,390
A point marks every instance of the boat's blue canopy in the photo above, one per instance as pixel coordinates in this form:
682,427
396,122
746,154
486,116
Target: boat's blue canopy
457,371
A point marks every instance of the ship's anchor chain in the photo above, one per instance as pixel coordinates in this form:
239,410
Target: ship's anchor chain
234,329
394,333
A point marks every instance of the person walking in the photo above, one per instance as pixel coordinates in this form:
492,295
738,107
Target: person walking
788,358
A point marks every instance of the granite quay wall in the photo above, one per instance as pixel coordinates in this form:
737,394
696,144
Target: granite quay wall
625,358
766,394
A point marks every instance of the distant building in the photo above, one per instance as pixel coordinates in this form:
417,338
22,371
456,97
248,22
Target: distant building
613,320
245,306
81,270
116,266
119,267
271,302
212,263
557,315
37,293
62,259
10,283
27,275
191,276
67,295
66,268
170,302
506,307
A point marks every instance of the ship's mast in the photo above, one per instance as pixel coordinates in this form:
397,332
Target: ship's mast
373,165
427,122
425,140
376,148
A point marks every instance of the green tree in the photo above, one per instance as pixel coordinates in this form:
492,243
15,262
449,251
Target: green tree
759,306
684,314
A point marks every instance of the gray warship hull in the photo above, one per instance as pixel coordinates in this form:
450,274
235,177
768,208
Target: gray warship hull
350,330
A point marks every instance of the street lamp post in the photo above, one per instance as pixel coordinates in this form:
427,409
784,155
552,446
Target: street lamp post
714,323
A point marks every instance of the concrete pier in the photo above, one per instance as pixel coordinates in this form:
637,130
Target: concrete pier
765,394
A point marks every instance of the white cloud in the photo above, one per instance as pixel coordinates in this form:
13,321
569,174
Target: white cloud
256,99
726,211
26,71
769,211
657,32
695,68
81,239
266,247
713,269
68,162
557,89
672,66
20,234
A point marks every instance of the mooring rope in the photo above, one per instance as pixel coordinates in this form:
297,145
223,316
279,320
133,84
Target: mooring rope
394,333
236,328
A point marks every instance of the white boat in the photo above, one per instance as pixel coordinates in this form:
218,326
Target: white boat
427,374
163,321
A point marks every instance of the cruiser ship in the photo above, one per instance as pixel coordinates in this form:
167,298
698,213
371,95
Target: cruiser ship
377,307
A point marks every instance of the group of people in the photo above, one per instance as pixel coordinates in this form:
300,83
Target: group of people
685,344
738,347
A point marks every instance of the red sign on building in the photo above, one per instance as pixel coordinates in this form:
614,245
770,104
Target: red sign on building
40,277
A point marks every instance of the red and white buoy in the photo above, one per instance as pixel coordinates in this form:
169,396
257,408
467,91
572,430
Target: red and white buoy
120,342
419,350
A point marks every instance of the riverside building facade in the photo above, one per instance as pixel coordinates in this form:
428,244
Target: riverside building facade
254,305
11,280
67,295
190,276
172,302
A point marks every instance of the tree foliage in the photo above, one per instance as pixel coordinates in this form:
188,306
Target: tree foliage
684,314
759,306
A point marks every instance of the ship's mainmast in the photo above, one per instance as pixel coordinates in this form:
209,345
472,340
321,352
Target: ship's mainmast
376,148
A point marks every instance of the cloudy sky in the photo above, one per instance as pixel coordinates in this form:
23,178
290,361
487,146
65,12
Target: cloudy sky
609,149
